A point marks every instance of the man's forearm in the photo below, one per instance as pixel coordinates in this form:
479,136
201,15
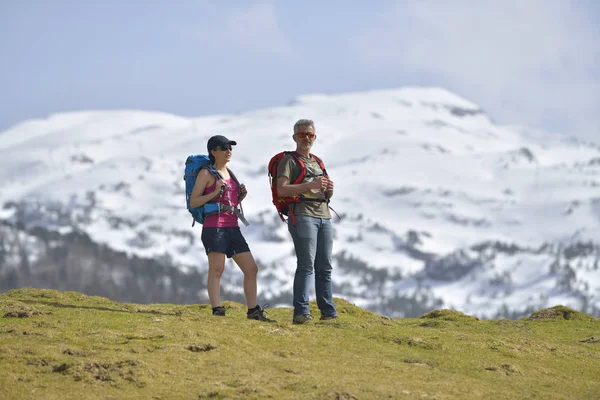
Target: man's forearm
290,190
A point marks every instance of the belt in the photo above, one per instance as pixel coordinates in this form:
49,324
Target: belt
236,211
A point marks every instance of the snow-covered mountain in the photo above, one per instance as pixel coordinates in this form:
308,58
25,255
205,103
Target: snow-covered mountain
440,206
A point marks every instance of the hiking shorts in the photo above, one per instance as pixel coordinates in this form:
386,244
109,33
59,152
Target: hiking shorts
228,241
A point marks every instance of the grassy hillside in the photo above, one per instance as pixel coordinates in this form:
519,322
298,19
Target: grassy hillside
65,345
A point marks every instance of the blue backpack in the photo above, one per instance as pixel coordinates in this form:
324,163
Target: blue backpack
193,165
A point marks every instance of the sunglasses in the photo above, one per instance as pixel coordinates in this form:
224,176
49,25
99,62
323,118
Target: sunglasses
303,135
226,147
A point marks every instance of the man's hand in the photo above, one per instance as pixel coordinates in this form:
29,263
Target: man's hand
329,185
243,192
320,183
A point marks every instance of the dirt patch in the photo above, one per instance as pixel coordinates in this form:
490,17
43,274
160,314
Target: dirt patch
431,323
201,347
141,337
99,371
109,371
152,348
247,392
210,395
157,311
449,315
416,342
510,369
44,324
340,396
559,312
76,353
16,309
20,314
591,339
290,371
40,362
417,362
33,333
61,368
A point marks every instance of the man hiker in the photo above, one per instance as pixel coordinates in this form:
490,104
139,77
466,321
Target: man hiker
309,223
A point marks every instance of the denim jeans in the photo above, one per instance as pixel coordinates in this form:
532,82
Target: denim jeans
313,242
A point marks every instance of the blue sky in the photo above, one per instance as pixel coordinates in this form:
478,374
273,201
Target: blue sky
529,62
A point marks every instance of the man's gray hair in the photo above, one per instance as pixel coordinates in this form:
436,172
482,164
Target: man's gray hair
303,122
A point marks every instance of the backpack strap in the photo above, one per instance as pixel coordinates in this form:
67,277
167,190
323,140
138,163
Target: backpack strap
299,179
235,179
210,169
237,211
320,162
240,212
223,207
302,174
326,174
213,171
322,165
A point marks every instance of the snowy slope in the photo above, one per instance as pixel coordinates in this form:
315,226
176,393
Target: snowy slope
425,183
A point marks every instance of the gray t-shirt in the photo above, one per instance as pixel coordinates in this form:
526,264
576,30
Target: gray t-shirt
289,168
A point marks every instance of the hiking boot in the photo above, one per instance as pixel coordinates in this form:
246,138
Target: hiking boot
258,314
302,318
328,317
218,311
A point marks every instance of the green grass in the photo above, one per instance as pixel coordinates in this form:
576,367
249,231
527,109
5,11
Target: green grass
65,345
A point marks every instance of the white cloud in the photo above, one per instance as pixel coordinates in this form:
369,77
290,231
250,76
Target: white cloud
533,62
254,28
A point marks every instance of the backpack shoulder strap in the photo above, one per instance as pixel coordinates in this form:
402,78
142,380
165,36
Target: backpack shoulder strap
302,174
320,162
233,176
235,180
214,173
274,162
212,170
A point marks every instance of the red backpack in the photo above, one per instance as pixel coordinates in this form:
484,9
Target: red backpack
282,204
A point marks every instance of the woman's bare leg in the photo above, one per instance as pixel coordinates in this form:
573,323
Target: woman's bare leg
248,266
216,266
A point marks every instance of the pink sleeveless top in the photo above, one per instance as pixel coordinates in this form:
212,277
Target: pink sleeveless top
230,198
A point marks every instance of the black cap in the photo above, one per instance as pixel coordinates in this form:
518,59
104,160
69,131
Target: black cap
218,141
